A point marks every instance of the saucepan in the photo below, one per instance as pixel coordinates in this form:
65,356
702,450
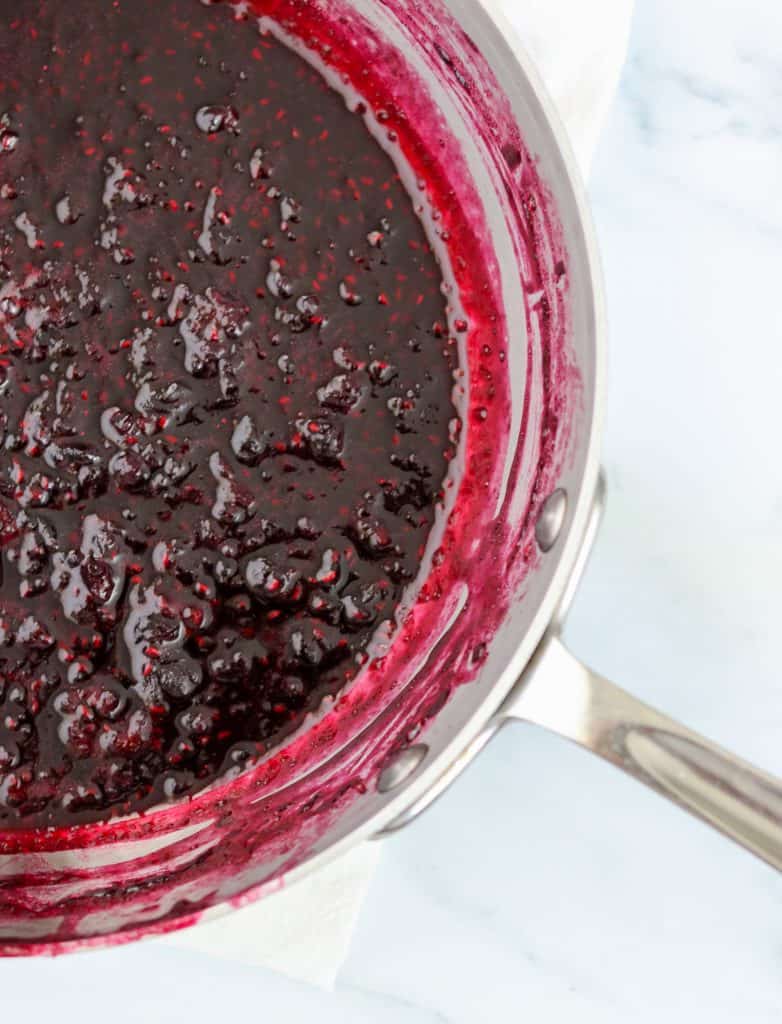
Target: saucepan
476,644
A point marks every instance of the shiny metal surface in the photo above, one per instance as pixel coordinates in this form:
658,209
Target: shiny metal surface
402,766
443,783
458,765
551,520
590,536
563,695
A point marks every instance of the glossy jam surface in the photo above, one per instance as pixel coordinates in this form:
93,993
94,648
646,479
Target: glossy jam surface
225,399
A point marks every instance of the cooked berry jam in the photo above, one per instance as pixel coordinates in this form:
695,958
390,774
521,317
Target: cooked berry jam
225,399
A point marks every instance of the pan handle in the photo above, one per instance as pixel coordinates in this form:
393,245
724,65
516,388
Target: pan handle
563,695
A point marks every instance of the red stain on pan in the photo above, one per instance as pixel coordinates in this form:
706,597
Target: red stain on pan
121,878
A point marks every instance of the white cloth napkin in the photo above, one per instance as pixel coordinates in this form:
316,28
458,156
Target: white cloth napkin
305,932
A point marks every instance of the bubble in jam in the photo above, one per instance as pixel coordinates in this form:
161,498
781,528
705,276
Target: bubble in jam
225,412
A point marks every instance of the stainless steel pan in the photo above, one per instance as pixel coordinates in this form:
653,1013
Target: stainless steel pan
479,644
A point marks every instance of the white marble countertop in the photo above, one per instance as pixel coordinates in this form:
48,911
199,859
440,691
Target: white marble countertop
545,886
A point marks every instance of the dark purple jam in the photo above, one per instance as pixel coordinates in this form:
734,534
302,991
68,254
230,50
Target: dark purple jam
225,399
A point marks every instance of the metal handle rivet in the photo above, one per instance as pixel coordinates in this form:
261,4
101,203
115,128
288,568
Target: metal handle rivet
551,520
401,767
